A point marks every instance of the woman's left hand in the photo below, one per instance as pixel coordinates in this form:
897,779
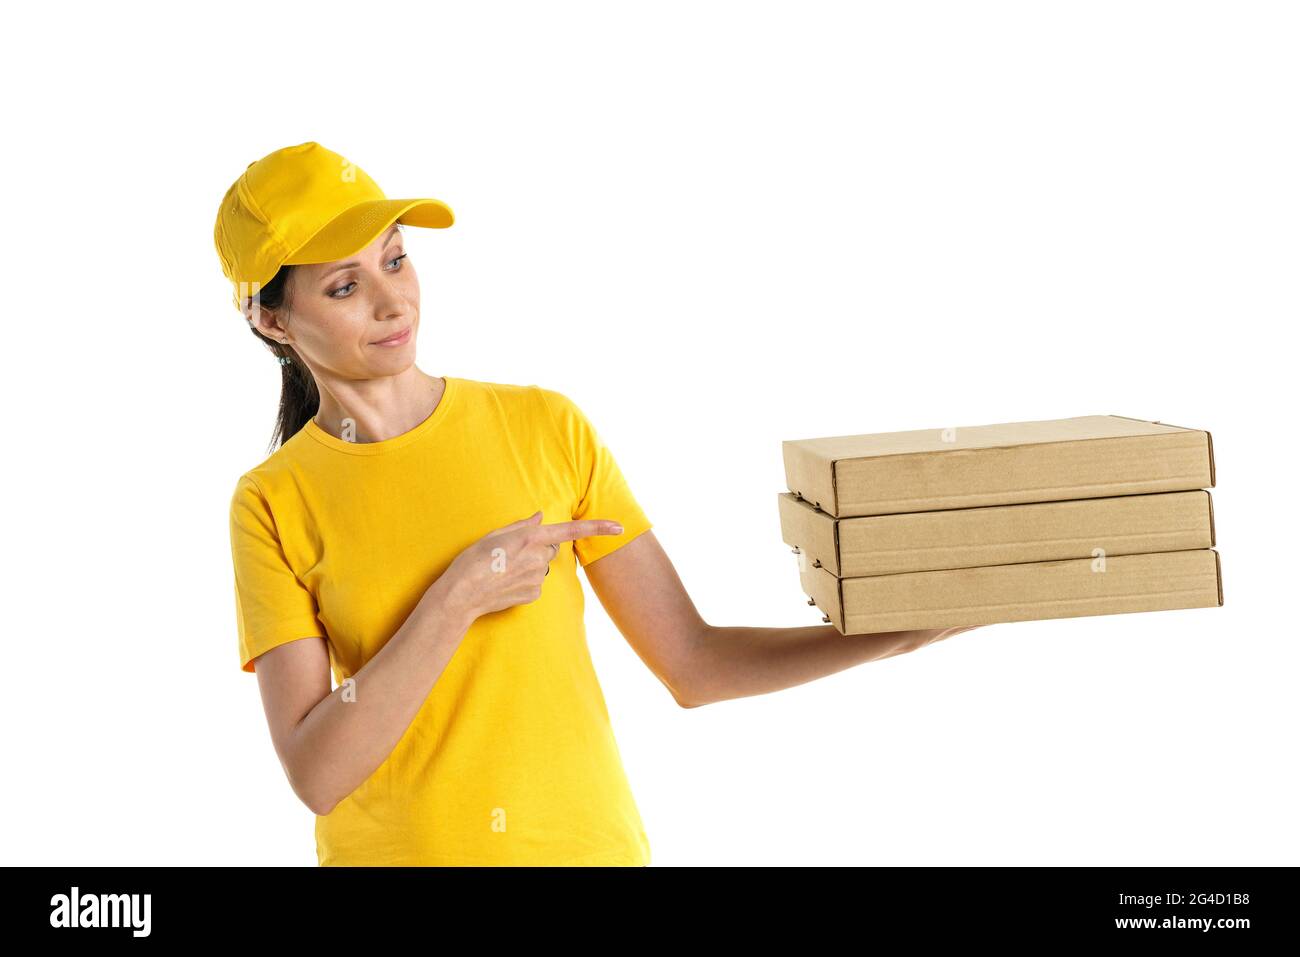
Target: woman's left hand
941,633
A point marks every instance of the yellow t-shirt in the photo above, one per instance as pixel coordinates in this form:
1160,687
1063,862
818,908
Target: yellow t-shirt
511,760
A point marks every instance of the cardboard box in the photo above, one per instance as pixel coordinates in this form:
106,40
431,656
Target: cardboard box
1158,581
1092,456
997,534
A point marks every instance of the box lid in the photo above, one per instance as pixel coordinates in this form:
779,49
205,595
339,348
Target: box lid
1001,464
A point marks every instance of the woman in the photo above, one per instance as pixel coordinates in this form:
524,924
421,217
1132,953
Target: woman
404,534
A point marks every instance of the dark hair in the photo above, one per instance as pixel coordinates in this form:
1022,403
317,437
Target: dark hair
299,400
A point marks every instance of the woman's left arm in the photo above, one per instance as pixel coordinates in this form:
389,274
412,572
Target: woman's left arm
702,663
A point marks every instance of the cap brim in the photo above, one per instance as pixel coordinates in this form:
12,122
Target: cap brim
358,226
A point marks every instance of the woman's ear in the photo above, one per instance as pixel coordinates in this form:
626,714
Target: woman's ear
262,320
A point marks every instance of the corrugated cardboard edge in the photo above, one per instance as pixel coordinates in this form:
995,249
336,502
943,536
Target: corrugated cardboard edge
834,507
807,467
1034,591
1218,573
840,620
835,539
1209,439
1178,513
825,590
805,529
1209,502
828,590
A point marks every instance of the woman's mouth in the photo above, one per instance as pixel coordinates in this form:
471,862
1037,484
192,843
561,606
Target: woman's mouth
395,340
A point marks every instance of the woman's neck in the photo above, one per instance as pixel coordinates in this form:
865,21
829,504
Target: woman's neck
377,409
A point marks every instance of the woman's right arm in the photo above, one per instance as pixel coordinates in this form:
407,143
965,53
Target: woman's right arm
328,743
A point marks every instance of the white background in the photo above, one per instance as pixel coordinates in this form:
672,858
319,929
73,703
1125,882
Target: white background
692,218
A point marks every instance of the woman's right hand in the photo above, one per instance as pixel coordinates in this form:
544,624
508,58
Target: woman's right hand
506,566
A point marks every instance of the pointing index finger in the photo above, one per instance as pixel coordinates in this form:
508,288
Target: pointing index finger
579,528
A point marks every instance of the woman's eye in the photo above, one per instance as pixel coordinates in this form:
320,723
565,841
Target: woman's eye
334,293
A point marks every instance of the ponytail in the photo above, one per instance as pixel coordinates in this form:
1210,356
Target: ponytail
299,400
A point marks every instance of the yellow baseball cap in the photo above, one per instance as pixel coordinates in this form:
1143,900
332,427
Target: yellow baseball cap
306,204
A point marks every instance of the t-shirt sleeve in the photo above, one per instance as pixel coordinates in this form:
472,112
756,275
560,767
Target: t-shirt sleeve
600,489
272,606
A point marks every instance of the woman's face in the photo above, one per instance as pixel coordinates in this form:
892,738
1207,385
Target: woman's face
341,313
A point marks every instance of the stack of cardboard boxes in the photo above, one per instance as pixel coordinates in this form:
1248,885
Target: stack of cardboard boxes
1094,515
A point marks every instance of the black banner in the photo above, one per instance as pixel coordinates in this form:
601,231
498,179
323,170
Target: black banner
1224,907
